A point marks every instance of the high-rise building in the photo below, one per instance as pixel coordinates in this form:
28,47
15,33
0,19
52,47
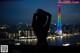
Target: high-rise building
19,32
28,33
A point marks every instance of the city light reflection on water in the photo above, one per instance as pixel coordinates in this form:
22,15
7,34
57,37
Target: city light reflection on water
53,40
27,41
59,40
64,40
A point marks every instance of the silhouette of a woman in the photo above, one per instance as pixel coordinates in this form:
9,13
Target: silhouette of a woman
41,22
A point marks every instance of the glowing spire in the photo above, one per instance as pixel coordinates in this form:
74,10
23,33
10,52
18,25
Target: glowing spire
59,24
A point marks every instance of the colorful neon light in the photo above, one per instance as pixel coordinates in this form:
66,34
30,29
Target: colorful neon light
59,24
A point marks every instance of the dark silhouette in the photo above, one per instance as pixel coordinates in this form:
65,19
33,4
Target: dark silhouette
23,33
41,22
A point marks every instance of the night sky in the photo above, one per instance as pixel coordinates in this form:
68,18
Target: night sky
16,11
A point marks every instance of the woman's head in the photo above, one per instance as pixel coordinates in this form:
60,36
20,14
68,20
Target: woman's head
39,11
41,18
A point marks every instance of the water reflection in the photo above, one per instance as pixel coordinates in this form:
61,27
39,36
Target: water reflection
67,44
27,41
53,40
65,40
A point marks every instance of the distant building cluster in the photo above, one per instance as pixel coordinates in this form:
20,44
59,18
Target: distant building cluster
15,31
66,28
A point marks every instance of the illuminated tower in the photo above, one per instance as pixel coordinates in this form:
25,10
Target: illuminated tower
59,24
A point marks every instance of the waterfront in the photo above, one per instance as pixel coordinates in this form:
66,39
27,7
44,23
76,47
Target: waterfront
52,40
65,40
23,34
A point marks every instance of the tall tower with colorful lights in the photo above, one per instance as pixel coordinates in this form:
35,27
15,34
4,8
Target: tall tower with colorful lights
59,24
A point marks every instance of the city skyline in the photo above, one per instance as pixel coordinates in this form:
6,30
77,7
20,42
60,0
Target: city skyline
16,11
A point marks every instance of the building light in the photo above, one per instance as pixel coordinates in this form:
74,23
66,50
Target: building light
20,33
14,34
66,44
64,34
78,43
55,24
26,33
35,39
22,37
49,37
17,43
32,33
9,35
53,38
2,27
49,30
